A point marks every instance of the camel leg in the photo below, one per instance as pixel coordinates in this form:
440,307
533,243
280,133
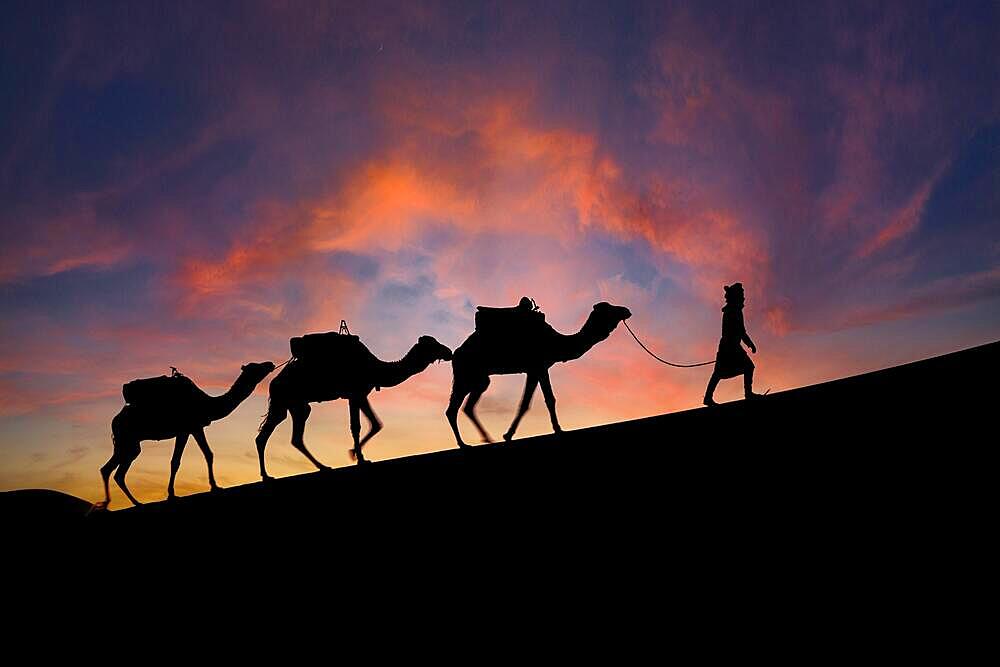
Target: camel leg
373,420
175,462
199,437
300,413
275,415
550,399
355,414
470,408
454,403
106,471
113,462
358,406
529,390
128,455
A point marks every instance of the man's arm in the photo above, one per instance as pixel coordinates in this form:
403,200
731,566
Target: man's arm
745,337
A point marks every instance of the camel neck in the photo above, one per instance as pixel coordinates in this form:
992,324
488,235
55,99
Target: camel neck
392,373
574,346
223,405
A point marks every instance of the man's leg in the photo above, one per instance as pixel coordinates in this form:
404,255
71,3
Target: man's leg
710,391
748,385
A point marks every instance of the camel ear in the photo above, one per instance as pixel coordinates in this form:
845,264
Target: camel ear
425,340
243,367
602,304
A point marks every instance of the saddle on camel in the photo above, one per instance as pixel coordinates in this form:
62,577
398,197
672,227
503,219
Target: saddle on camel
328,346
173,392
330,350
522,318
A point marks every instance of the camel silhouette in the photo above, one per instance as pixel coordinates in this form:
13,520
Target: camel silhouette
533,353
302,382
135,423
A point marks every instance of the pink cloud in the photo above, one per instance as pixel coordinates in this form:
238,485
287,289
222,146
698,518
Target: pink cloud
72,238
904,220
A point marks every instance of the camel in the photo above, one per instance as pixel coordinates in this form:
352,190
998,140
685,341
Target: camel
135,423
481,356
302,382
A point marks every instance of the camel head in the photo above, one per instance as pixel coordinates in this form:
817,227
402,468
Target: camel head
429,350
255,372
608,316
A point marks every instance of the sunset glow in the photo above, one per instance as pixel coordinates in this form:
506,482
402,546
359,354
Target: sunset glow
193,184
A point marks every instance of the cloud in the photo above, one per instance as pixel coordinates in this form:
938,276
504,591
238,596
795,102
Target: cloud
903,221
936,296
396,166
20,397
71,238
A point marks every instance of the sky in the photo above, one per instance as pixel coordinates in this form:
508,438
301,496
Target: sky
191,184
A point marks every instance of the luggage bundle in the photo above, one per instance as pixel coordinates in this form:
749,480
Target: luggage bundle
524,318
160,391
330,345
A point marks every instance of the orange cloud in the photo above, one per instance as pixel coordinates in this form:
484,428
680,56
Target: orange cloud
477,161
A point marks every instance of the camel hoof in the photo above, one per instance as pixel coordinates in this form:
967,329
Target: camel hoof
216,488
171,497
508,436
99,506
266,478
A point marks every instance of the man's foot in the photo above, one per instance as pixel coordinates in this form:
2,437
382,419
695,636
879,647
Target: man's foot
752,396
710,402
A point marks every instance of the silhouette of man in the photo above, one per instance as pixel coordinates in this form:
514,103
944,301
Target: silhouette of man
732,359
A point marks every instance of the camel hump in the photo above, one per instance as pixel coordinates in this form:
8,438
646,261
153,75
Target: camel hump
327,345
525,316
159,390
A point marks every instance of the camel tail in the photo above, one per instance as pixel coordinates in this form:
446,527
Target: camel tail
263,419
114,439
275,412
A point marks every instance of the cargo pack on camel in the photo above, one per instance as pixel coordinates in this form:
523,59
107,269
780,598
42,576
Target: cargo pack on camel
525,317
175,388
327,346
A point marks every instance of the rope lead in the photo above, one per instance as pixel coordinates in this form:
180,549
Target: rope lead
663,361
